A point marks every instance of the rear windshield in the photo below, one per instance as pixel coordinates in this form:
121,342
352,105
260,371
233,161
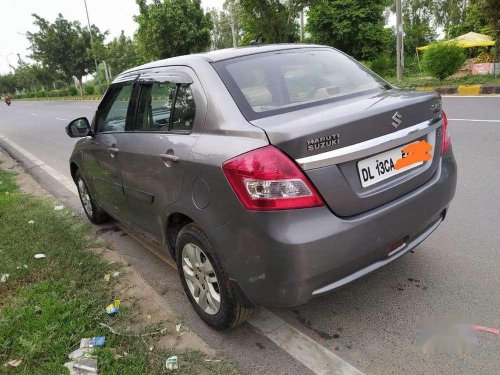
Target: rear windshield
267,84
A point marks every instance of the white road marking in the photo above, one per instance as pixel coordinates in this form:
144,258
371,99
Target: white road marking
304,349
61,119
34,114
472,120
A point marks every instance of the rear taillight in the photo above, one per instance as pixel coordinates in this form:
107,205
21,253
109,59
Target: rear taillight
446,140
266,179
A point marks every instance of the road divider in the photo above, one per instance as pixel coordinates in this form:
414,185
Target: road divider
466,90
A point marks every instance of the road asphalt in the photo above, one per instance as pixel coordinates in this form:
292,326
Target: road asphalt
371,323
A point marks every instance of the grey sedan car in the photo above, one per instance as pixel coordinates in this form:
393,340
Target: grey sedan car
271,174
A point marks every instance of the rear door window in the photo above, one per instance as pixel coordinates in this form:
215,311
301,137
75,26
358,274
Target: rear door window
155,107
271,83
165,107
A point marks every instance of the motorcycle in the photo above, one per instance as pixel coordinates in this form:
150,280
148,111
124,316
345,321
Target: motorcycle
7,101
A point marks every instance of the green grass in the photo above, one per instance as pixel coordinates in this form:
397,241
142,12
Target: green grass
412,82
48,305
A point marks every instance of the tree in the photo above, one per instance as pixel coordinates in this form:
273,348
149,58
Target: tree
222,36
475,20
233,10
34,76
65,47
121,54
170,28
355,27
449,13
8,83
491,9
274,21
418,20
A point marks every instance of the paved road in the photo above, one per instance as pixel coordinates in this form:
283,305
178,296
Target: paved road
371,323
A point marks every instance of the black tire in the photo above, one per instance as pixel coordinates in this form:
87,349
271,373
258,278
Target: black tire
231,313
98,215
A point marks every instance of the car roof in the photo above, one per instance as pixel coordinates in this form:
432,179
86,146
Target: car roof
219,55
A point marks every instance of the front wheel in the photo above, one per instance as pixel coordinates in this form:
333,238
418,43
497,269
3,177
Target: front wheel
205,282
94,213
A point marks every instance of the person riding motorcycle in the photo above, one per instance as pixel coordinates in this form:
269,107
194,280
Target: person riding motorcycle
7,98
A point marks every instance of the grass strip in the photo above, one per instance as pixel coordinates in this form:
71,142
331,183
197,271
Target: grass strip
47,305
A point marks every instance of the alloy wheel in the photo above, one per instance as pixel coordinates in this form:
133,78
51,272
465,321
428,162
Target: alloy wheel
201,278
85,196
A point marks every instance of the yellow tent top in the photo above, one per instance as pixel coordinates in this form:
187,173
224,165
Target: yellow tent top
468,40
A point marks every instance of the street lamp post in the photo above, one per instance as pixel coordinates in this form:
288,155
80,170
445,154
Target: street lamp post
91,40
399,41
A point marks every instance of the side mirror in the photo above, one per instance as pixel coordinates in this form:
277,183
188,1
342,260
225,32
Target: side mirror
78,128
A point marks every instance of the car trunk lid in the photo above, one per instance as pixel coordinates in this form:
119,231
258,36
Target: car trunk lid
329,140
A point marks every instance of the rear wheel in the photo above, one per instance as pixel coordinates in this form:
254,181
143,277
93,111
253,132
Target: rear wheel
95,214
205,282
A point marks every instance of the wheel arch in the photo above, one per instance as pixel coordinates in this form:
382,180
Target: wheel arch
175,222
73,167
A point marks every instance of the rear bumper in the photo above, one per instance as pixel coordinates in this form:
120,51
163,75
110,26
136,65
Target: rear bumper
285,258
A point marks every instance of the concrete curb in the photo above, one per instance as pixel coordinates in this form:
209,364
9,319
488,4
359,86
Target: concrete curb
74,98
486,89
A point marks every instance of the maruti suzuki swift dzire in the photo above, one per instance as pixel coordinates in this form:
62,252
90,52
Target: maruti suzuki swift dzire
271,174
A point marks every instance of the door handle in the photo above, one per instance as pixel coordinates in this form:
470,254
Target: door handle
170,158
113,151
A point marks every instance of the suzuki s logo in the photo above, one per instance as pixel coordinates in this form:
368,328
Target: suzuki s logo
397,119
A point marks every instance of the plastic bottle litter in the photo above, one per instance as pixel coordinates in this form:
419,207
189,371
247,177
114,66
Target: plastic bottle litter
172,363
113,308
31,222
40,256
58,208
178,327
4,278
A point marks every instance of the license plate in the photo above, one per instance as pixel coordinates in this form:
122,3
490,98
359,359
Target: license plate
382,166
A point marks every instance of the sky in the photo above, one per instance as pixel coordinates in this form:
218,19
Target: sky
111,15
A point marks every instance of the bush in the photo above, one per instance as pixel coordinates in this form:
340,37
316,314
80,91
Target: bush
56,93
40,94
89,89
443,59
72,91
383,65
101,88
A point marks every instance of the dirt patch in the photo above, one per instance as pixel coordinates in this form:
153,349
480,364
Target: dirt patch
152,309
